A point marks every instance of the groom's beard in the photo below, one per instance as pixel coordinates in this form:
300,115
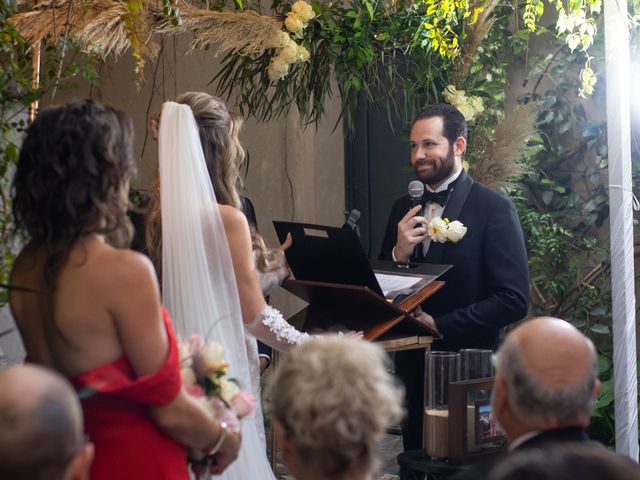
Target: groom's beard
441,170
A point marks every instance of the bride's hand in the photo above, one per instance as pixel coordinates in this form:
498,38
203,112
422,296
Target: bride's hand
280,259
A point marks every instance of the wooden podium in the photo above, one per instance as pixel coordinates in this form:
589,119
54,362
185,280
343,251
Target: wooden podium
361,309
358,308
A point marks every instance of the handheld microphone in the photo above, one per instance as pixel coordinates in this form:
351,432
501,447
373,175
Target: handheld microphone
416,190
351,222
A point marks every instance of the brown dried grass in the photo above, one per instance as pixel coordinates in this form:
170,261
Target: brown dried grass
499,156
244,33
99,26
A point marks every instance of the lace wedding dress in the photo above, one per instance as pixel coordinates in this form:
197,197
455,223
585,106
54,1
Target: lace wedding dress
198,280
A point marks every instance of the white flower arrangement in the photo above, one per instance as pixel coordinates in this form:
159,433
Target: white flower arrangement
468,106
290,52
441,230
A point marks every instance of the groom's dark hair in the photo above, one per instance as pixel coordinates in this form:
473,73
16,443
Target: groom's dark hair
454,123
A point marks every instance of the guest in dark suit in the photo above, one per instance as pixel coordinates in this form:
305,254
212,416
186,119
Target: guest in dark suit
488,286
545,384
568,461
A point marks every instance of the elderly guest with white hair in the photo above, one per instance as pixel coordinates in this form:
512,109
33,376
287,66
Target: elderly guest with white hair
333,400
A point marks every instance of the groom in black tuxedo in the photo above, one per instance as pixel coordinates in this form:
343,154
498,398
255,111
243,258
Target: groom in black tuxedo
488,286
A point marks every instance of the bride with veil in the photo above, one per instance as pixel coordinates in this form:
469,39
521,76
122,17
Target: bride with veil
201,243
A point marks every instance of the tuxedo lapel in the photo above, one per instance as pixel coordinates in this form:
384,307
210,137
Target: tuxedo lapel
451,211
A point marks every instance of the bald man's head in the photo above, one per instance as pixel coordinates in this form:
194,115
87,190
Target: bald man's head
41,429
549,371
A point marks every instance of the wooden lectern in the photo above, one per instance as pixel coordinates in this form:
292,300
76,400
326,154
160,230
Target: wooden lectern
358,308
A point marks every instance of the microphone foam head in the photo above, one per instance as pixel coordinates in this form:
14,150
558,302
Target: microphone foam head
354,215
416,188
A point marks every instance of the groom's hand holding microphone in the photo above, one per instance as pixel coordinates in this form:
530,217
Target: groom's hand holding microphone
412,228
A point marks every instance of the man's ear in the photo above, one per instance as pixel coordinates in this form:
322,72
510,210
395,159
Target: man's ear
459,146
80,467
597,387
499,398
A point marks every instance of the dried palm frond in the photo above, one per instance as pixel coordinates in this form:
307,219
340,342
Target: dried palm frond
497,158
97,26
244,33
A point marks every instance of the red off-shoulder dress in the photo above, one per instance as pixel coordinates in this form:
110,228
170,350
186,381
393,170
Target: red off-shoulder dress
128,445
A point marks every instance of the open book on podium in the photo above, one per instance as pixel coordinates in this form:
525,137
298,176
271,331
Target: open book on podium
345,291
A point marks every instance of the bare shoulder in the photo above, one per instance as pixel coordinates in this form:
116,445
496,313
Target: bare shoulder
127,267
233,219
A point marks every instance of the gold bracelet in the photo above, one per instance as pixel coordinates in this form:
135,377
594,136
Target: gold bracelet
223,435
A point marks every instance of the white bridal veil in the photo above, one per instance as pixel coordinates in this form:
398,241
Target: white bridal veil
198,281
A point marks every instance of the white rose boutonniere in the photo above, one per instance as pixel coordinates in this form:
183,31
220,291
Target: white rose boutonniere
455,231
437,230
442,230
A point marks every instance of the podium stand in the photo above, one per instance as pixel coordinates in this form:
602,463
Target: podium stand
358,308
361,309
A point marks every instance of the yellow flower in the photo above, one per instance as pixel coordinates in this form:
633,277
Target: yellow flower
476,104
303,54
228,390
294,23
467,111
288,53
282,40
277,69
212,357
303,10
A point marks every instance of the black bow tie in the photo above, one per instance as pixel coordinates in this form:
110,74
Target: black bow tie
436,197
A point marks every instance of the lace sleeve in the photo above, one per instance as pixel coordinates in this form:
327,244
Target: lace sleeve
271,328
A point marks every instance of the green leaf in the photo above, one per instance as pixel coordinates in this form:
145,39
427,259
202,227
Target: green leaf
547,197
600,329
606,394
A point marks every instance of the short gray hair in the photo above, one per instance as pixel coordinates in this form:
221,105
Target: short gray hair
335,399
530,397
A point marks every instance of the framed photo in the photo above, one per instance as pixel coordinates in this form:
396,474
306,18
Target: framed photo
474,433
487,428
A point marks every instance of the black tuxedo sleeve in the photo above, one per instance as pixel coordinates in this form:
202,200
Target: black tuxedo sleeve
506,276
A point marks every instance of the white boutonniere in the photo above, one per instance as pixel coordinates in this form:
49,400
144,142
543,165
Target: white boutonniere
442,230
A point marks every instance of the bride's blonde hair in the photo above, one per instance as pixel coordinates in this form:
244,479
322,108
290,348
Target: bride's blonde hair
219,130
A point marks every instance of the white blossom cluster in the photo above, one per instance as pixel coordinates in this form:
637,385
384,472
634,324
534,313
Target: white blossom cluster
290,52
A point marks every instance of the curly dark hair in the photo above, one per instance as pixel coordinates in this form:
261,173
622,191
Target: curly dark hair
73,166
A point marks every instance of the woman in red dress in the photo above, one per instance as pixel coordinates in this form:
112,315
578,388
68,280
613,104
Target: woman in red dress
92,311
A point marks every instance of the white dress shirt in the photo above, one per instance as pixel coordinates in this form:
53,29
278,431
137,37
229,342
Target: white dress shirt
432,210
